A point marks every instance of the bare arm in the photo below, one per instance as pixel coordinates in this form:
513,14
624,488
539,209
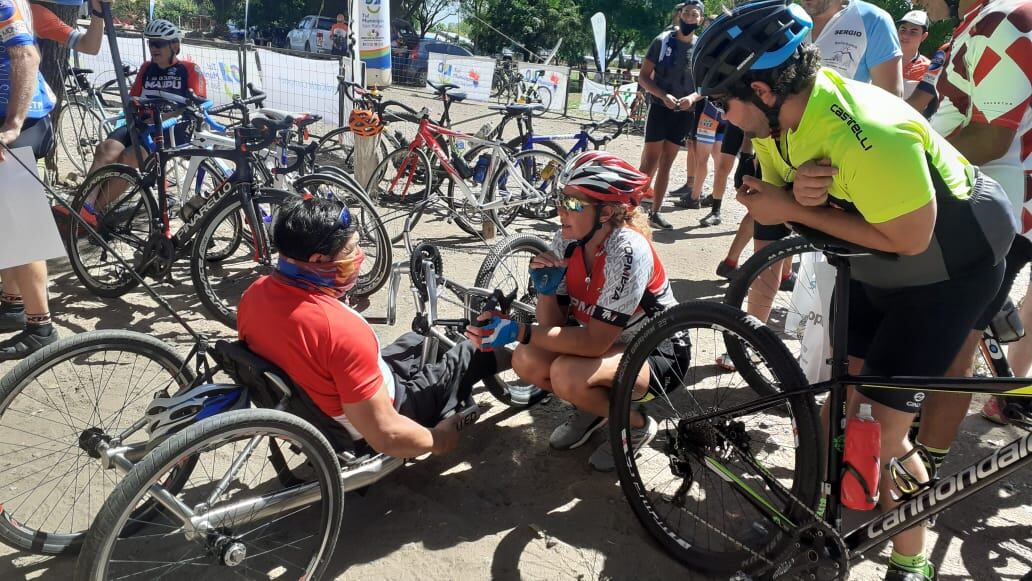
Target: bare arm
391,433
90,42
549,312
592,340
907,235
982,143
920,100
24,70
889,75
649,84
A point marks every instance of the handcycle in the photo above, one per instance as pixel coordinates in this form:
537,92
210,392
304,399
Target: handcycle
258,491
758,289
735,482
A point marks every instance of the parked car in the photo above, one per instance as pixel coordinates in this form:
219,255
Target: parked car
409,65
312,34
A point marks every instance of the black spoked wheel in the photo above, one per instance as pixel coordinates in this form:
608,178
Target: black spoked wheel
96,384
79,133
221,283
766,289
233,476
397,185
372,234
122,210
507,268
698,485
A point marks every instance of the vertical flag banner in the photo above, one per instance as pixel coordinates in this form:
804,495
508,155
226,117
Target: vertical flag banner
374,41
598,26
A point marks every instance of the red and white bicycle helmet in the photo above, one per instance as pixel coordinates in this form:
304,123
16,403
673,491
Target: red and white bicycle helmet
605,177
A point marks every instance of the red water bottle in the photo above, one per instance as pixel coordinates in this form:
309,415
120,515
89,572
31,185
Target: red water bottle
861,461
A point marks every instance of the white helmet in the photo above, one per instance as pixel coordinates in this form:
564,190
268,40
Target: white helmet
167,415
161,29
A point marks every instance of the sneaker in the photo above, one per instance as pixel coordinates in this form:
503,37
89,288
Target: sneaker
993,411
602,458
895,573
688,202
575,431
684,190
25,343
711,219
706,201
788,283
89,215
10,322
724,269
724,362
656,219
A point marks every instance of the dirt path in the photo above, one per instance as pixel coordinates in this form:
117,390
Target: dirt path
506,506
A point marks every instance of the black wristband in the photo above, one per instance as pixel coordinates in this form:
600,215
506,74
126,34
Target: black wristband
97,14
526,336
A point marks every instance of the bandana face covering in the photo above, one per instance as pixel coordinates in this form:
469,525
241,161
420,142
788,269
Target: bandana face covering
332,278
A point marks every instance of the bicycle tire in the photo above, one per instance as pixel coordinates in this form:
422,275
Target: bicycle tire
599,109
737,296
221,303
804,430
18,529
389,189
337,149
544,97
78,128
129,218
494,273
540,168
203,437
545,211
373,237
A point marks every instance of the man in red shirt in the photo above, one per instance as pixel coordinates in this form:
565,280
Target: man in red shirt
294,319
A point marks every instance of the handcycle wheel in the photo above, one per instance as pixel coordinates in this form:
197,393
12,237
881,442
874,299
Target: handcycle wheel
696,486
539,168
221,283
125,210
246,543
79,132
50,488
756,290
400,181
507,268
372,234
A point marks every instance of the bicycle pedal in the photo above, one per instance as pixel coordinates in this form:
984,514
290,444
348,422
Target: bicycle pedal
468,416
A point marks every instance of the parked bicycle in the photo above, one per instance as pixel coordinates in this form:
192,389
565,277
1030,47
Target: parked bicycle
620,105
526,89
86,116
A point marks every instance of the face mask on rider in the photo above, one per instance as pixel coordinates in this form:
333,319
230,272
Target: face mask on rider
687,28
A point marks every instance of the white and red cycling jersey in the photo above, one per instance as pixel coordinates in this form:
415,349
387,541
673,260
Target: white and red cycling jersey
627,285
986,78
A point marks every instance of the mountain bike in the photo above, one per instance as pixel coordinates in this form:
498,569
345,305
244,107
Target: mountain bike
735,483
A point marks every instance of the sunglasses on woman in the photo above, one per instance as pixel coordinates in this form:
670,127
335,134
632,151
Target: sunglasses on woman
158,43
571,204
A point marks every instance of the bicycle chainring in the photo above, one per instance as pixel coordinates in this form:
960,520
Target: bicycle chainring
160,254
424,251
816,553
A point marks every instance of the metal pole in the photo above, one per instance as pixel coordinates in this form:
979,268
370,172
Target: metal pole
243,51
123,89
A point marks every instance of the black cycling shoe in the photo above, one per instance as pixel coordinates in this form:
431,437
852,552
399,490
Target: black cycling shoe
896,574
26,343
688,202
706,201
656,219
12,321
684,190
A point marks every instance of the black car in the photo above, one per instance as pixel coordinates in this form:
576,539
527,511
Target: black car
409,62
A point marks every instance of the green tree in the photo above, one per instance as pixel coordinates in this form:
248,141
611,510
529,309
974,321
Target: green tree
536,24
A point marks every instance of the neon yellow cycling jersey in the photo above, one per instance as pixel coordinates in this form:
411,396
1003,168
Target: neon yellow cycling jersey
891,162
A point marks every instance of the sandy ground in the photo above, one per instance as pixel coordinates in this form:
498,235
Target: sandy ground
506,506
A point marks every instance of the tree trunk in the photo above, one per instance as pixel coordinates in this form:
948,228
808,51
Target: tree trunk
53,58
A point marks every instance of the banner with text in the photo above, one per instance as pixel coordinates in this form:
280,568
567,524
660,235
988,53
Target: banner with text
554,78
471,73
591,89
301,84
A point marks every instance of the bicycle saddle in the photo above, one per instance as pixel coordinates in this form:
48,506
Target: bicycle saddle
443,88
78,71
830,244
518,108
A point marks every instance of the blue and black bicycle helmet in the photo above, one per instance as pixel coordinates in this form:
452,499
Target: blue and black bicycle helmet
753,37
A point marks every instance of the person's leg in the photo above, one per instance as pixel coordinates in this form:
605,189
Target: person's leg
728,268
650,154
702,156
764,288
666,161
722,165
1019,354
12,307
689,166
31,282
533,365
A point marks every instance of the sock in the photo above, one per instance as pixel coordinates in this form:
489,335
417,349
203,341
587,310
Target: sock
935,455
716,206
787,276
731,263
915,564
11,304
39,324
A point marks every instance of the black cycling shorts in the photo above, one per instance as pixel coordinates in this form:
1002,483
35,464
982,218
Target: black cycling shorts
428,394
182,132
1019,255
770,233
668,365
37,134
663,124
916,330
733,139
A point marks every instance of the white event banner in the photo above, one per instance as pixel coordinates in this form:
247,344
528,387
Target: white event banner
220,66
590,89
299,84
472,74
554,78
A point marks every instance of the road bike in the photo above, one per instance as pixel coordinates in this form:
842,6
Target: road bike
620,105
524,88
738,481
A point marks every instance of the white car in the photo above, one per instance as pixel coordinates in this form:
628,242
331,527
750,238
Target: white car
312,34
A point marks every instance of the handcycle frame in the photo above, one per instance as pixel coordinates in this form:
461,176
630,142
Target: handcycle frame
938,495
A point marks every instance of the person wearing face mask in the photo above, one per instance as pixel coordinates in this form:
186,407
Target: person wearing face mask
295,319
666,75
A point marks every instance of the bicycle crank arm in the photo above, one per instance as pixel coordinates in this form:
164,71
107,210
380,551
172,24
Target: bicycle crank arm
455,323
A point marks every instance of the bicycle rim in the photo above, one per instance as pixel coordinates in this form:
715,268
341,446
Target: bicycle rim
397,185
698,485
78,132
100,381
540,170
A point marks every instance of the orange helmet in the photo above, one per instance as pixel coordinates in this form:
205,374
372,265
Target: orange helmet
365,123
